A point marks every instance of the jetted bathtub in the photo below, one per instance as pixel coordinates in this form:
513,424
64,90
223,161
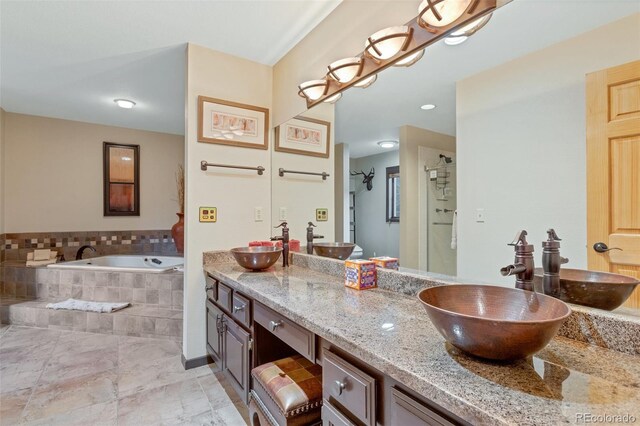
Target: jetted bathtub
125,263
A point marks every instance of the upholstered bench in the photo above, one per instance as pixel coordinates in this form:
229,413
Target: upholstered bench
286,392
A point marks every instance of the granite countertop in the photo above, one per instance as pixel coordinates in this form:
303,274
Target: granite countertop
391,332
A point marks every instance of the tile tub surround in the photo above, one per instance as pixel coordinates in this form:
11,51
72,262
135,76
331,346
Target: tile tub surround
17,245
561,381
72,378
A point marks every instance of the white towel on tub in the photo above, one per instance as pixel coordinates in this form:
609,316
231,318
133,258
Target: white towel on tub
85,305
454,231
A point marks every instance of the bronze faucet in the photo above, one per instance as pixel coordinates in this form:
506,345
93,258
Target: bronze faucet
81,250
551,261
310,237
523,267
285,243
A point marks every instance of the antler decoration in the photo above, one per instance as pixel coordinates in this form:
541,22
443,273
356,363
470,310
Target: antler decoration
367,179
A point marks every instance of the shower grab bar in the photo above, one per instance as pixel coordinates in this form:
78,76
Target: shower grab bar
324,175
441,223
204,165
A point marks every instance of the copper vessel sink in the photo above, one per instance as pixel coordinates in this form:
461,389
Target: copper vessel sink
602,290
256,258
340,251
494,322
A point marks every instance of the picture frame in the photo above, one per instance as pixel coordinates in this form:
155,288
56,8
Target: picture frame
231,123
121,179
304,136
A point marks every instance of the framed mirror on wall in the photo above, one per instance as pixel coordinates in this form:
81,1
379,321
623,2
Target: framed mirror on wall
121,179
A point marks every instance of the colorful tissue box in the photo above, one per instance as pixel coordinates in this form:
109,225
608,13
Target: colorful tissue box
360,274
385,262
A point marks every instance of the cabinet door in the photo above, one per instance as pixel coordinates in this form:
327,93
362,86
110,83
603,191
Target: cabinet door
214,333
331,416
410,412
236,354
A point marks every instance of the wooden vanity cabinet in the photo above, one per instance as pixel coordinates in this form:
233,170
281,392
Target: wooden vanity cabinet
236,362
214,332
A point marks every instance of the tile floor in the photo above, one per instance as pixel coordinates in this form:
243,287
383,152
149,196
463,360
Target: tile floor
54,377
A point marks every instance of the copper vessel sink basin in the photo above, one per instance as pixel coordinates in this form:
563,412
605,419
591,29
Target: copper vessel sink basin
602,290
340,251
493,322
256,258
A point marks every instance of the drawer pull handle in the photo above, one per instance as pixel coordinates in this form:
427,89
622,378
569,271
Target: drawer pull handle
238,308
341,386
275,325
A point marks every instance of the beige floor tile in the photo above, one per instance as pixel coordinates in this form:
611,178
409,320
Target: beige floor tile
22,366
157,373
11,406
82,342
176,402
138,351
50,399
229,416
103,414
67,365
21,336
215,392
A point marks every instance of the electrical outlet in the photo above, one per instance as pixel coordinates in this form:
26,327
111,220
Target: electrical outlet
258,214
480,215
208,214
283,213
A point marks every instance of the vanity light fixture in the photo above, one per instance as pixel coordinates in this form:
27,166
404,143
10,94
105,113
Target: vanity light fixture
440,13
387,43
410,60
461,35
388,144
313,89
345,70
363,84
428,107
333,99
124,103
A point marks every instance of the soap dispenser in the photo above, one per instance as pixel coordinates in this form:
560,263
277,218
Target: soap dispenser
551,261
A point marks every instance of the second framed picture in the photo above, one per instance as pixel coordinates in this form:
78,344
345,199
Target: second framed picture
304,136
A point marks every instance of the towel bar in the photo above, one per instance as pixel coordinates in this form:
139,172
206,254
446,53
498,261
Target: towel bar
324,175
204,165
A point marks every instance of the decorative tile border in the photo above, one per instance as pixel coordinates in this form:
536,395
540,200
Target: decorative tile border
15,246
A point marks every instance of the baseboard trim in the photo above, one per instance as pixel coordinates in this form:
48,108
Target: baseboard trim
188,364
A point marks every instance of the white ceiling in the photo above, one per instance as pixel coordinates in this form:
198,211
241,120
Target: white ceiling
70,59
365,116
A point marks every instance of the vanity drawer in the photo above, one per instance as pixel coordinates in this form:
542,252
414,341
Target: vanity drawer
409,411
331,416
211,288
300,339
225,297
349,388
241,309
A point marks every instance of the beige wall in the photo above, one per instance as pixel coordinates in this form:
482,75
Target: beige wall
341,34
2,172
53,175
410,139
302,195
521,149
234,192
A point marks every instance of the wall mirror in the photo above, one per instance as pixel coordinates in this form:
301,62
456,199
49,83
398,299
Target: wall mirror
489,136
121,179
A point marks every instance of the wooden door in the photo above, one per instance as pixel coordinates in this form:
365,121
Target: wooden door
236,357
214,333
613,170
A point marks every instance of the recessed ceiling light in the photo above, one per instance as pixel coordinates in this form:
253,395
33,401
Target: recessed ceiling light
388,144
427,107
124,103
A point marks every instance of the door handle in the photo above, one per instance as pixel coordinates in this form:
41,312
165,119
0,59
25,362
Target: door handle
602,248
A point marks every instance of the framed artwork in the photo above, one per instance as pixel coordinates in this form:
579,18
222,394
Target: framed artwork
231,123
304,136
121,179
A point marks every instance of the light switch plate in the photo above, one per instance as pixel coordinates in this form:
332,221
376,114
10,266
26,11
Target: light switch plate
258,214
208,214
480,215
322,215
283,213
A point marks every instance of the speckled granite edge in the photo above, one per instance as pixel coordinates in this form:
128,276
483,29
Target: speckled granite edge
593,326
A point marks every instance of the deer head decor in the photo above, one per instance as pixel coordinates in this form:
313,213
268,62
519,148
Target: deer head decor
368,177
